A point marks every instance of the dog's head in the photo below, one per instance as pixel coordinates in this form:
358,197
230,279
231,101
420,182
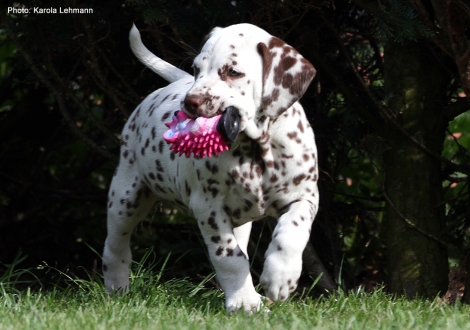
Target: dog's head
244,67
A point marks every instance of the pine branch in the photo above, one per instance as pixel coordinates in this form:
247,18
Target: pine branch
399,21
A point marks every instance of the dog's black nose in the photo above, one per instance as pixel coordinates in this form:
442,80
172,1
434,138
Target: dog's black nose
192,102
229,124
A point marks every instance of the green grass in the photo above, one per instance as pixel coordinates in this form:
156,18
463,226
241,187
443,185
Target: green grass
171,306
180,304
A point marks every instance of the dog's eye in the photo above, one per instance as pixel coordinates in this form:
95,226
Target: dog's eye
233,73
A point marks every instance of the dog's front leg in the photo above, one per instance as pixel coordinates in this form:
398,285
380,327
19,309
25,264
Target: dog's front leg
228,256
283,263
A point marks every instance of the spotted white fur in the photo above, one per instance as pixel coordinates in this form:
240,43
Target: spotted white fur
270,170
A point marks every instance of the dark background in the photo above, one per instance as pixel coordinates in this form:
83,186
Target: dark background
68,83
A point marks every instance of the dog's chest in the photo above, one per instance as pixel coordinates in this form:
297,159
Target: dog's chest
254,188
238,181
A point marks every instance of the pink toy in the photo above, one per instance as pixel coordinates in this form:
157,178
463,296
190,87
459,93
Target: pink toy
199,136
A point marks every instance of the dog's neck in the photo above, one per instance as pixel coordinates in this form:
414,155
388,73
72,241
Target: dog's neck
269,134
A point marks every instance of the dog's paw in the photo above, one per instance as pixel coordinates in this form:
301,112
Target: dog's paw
280,274
116,283
116,274
250,304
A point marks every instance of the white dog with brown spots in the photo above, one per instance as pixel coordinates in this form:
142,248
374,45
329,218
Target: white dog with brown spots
270,169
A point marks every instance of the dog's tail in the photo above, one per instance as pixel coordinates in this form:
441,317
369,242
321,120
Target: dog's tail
164,69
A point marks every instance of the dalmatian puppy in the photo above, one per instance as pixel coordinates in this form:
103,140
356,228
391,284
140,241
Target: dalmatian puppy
269,170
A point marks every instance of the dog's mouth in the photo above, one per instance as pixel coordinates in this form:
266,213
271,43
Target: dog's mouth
229,124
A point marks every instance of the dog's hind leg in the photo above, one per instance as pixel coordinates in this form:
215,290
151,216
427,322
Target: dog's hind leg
129,201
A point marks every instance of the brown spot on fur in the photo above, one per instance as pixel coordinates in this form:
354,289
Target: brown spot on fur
237,213
159,166
248,205
273,178
166,115
212,223
298,178
292,135
227,210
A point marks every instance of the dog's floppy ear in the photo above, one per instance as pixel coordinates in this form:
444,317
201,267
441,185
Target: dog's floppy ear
286,76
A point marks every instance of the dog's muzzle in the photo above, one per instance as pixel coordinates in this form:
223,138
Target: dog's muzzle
229,125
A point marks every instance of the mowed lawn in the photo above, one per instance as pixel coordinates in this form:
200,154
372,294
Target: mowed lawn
180,304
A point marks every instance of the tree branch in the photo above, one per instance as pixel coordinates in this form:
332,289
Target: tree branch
79,103
93,64
368,106
60,100
413,225
371,112
136,99
441,38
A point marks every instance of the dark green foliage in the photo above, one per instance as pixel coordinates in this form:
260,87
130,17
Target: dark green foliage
397,20
54,183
